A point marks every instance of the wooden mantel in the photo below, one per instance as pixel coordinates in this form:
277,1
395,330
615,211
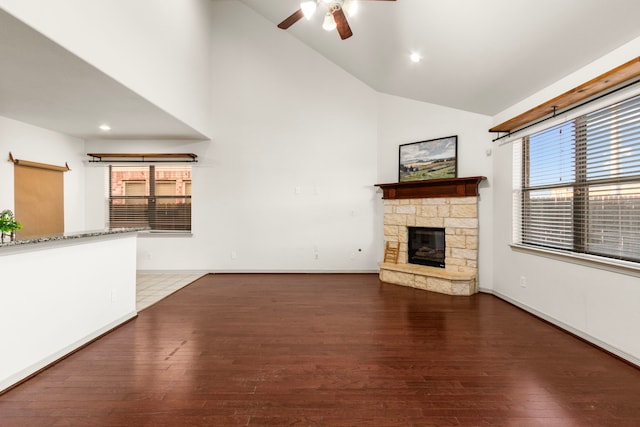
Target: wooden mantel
451,187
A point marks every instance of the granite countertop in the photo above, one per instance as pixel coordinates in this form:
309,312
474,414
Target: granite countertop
70,236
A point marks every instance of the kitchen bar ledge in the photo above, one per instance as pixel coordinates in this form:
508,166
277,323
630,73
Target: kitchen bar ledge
60,293
29,244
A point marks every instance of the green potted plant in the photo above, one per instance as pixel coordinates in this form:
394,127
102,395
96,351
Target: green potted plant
8,225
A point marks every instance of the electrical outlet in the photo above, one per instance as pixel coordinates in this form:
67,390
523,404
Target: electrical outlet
114,295
523,281
234,255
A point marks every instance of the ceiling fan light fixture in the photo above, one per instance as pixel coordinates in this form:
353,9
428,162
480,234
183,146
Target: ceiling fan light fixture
329,23
351,7
335,19
308,8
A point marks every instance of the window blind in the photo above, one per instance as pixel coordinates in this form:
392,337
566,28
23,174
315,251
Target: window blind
154,197
579,187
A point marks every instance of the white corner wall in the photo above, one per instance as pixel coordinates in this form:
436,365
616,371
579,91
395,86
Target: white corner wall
402,121
158,49
286,184
598,305
27,142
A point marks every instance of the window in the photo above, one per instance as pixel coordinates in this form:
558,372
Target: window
577,185
157,197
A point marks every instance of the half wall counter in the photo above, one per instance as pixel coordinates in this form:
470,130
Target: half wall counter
59,293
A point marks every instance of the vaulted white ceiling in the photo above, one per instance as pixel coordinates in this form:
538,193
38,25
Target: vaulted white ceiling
479,55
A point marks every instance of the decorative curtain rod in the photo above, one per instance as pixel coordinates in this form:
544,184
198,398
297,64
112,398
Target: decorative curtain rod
142,157
556,113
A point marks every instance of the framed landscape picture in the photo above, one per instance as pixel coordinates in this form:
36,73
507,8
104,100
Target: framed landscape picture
432,159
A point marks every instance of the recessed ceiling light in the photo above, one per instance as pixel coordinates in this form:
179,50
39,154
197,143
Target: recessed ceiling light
415,57
104,127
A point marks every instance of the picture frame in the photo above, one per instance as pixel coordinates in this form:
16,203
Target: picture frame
430,159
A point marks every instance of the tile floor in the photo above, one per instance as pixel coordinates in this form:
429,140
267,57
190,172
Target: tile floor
152,287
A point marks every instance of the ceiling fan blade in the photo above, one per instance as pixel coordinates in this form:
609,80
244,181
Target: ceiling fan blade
295,17
341,23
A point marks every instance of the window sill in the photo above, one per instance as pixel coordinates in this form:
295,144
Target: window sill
160,233
616,266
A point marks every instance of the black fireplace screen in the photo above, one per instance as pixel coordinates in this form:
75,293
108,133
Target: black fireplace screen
426,246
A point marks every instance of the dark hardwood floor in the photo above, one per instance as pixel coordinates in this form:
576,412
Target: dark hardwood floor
329,350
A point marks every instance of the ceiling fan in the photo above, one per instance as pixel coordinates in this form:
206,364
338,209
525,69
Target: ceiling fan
334,19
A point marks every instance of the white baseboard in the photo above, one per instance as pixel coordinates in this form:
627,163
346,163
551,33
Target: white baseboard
250,271
296,271
52,358
591,339
201,272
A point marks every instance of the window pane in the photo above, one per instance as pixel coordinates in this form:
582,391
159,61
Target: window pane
128,203
548,218
613,221
120,175
552,156
171,213
613,136
131,214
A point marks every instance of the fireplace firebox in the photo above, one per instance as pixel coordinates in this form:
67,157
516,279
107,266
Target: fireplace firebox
426,246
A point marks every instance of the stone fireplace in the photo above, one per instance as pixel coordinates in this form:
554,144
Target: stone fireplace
450,205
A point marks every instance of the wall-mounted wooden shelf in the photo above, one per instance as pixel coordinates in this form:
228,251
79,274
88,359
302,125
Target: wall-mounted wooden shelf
600,84
452,187
142,157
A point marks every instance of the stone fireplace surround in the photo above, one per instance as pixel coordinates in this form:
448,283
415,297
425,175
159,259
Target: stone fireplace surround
448,203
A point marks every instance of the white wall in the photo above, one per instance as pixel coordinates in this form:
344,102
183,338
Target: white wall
284,119
35,144
598,305
402,121
287,119
159,49
79,289
617,57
